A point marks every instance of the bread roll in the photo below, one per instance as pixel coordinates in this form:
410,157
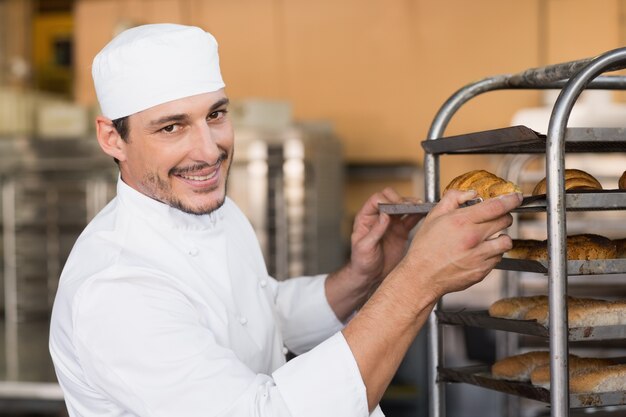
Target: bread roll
621,183
620,248
523,248
575,179
516,307
584,312
540,376
486,184
589,246
519,367
582,247
538,252
529,249
607,379
536,308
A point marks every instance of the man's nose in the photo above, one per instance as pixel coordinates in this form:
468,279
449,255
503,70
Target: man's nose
204,144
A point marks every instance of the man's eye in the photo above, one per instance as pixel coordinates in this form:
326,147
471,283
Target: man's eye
216,115
170,128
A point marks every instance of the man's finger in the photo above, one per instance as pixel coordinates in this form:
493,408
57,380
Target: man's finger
369,209
496,225
451,200
493,208
386,196
391,195
410,220
495,247
375,234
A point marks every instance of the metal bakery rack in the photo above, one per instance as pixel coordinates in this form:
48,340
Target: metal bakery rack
571,78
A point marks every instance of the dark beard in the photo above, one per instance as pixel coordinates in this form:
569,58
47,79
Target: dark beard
177,204
161,191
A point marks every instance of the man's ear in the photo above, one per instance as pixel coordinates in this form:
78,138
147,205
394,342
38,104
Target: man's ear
109,139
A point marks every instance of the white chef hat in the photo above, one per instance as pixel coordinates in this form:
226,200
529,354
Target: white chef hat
152,64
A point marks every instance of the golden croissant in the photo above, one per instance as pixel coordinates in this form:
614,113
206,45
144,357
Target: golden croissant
486,184
575,179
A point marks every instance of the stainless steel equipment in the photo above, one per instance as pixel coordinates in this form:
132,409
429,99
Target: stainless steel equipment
289,183
50,189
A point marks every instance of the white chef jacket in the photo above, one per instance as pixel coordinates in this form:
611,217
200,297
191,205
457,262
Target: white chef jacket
163,313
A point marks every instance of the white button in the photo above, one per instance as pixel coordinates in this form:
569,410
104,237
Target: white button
243,320
263,283
285,350
193,251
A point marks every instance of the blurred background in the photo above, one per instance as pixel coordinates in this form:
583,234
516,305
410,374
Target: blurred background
331,99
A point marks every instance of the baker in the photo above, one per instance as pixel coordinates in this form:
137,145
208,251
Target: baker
165,306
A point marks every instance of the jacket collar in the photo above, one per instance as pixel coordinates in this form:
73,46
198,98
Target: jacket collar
164,215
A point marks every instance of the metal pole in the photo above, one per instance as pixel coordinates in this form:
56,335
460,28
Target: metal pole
436,389
557,230
11,304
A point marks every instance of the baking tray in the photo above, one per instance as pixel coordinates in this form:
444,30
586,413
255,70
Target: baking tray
580,200
591,267
481,376
482,319
521,139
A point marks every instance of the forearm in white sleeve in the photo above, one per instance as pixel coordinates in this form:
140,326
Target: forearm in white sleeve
306,319
324,382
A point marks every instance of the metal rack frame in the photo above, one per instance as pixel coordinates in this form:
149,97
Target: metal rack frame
571,78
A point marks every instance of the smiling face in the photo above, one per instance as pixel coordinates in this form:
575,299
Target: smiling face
178,153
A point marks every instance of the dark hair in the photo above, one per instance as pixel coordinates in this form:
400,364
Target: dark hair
121,125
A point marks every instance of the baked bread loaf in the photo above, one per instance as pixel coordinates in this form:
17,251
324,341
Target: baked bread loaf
540,376
535,367
584,312
524,248
486,184
620,248
589,246
582,247
536,307
516,307
575,179
538,252
621,183
606,379
519,367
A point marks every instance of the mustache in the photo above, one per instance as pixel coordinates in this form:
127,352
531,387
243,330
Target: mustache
199,166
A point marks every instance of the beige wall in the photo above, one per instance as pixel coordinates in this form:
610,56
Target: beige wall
378,69
15,42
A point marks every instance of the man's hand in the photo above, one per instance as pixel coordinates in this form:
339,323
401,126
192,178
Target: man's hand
378,240
457,247
454,248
